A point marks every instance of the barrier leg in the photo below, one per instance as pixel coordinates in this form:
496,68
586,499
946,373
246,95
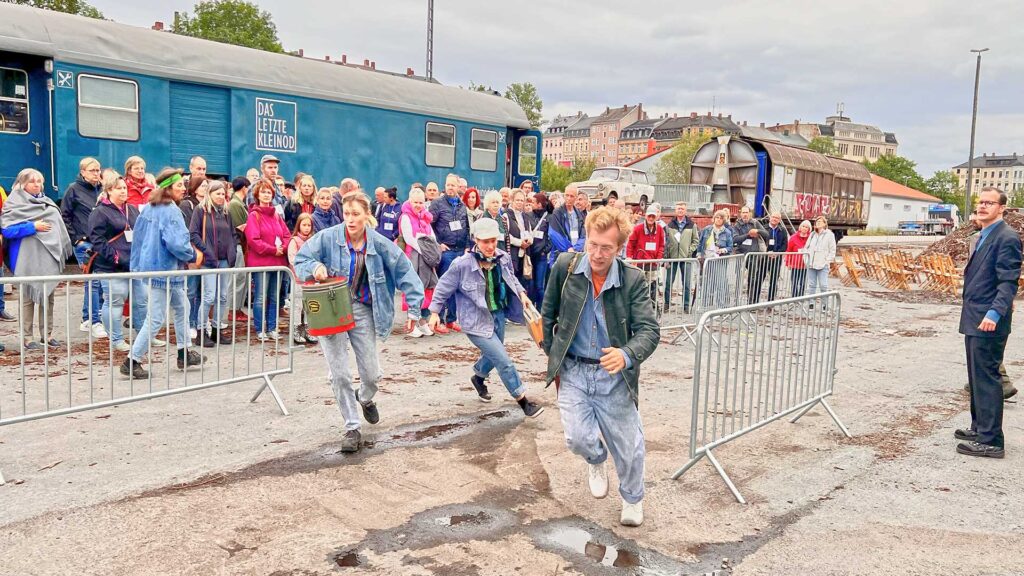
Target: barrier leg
269,385
835,418
725,477
687,466
802,412
2,481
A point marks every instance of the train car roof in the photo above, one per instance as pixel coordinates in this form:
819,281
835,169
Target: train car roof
105,44
807,159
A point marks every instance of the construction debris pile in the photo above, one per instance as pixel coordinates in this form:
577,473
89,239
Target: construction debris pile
957,244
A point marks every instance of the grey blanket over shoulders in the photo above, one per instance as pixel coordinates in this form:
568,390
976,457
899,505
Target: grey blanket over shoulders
43,253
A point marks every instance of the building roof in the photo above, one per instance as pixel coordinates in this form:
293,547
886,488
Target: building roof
890,138
640,130
826,130
648,157
564,121
670,128
885,187
993,161
580,128
91,42
614,114
855,127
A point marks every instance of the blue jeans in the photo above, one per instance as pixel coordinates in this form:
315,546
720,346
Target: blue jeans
112,312
93,300
192,288
535,289
493,355
684,269
594,405
215,291
447,257
363,340
264,303
817,280
156,315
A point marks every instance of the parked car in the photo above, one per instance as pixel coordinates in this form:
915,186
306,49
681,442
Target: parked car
611,183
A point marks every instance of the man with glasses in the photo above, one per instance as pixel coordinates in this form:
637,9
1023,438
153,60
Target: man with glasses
599,326
990,285
566,232
75,208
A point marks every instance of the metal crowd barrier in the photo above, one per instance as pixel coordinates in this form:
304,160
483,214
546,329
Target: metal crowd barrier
688,287
67,369
756,364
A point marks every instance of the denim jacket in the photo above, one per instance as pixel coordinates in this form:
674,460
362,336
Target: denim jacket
465,280
386,267
161,242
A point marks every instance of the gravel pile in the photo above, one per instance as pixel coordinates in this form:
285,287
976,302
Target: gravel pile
957,245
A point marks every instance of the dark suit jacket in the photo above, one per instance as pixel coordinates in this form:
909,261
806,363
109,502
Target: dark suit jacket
990,282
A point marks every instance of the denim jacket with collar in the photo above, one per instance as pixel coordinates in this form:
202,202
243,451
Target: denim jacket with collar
465,280
386,267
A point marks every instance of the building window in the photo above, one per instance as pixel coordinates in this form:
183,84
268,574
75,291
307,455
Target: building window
440,145
844,149
858,150
483,154
906,207
611,139
874,151
108,108
886,206
13,101
528,156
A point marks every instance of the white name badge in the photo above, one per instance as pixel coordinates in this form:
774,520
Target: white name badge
389,226
455,225
651,246
128,235
771,242
748,242
574,235
538,234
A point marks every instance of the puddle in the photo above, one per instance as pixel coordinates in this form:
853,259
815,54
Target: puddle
582,542
457,519
596,550
347,559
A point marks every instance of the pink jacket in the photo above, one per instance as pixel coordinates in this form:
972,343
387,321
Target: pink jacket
420,224
262,232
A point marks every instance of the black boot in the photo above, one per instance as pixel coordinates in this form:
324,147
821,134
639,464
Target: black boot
133,369
193,359
481,388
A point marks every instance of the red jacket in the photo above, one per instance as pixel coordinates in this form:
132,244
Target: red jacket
796,244
645,246
264,227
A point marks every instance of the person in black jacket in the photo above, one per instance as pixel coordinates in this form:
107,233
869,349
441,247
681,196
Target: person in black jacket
990,285
75,208
213,234
541,209
110,235
776,240
520,232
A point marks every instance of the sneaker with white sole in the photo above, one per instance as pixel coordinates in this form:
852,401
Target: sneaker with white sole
416,332
158,343
122,346
597,477
632,514
85,326
261,336
425,329
273,335
193,333
98,331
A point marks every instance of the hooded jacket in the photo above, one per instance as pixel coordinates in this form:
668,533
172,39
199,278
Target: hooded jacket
78,202
106,222
324,219
264,232
645,245
451,224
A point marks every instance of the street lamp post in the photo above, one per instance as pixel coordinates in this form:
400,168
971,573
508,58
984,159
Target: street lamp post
974,121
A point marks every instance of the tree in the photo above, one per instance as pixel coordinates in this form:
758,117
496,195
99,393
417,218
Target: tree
582,168
231,22
525,94
946,186
480,87
674,165
78,7
897,169
553,176
824,145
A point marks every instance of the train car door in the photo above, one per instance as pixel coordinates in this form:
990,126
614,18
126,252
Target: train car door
25,140
525,164
763,182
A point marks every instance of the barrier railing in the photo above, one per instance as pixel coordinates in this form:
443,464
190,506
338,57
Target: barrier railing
772,276
63,367
756,364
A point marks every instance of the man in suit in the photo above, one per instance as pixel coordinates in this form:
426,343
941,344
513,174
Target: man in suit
990,284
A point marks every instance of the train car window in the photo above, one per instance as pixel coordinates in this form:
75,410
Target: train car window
13,101
108,108
440,145
484,152
528,156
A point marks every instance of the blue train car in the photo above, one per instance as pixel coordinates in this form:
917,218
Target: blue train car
72,87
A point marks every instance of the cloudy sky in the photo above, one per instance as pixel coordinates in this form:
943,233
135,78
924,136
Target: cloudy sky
903,66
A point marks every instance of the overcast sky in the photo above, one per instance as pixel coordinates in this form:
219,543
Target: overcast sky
903,66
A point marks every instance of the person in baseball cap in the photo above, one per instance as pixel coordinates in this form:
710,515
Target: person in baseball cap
482,311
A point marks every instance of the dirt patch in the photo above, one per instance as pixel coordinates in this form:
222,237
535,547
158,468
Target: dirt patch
919,333
458,354
916,297
895,438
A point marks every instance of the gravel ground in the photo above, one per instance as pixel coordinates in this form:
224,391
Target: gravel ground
207,483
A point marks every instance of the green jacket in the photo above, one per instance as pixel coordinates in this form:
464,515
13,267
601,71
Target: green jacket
686,245
629,315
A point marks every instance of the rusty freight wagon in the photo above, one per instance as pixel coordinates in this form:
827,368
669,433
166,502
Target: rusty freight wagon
800,183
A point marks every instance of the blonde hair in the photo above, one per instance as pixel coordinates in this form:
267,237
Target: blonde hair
823,219
132,162
417,193
323,192
297,197
358,197
605,218
492,196
86,162
207,202
110,179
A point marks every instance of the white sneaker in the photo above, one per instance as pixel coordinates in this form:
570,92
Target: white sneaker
632,514
425,329
85,326
98,331
273,334
262,336
598,479
158,343
193,333
415,332
223,326
122,346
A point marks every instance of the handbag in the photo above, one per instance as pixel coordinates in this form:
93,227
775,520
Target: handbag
87,268
534,323
527,267
200,257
